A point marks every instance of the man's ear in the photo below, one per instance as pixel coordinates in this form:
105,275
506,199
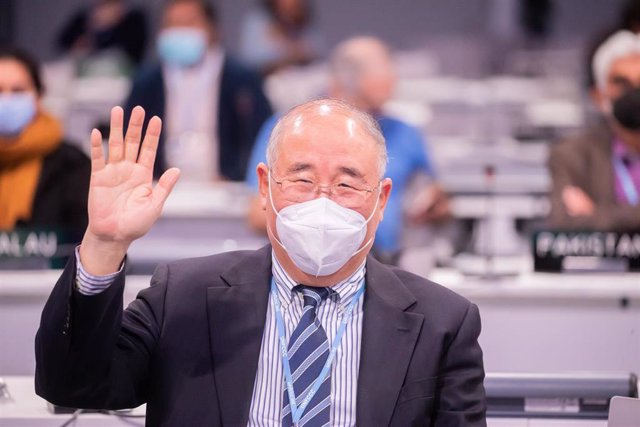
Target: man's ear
385,192
263,183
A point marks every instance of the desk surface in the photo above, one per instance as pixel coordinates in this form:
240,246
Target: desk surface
590,320
527,285
25,408
548,286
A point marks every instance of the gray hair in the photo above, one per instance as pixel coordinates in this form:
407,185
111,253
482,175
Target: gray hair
366,121
620,44
348,61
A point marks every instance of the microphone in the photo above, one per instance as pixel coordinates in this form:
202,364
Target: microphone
489,252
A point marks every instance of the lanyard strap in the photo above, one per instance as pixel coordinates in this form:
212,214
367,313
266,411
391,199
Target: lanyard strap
629,188
296,412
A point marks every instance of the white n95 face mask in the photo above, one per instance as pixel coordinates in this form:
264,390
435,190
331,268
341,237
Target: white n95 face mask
320,236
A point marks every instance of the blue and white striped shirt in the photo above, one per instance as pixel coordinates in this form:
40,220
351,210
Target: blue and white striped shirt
266,401
88,284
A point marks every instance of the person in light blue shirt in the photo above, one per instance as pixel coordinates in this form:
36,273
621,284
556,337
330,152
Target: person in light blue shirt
361,74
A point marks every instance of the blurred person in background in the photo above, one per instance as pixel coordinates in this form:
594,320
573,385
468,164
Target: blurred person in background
212,105
596,175
279,33
44,182
106,25
362,75
629,20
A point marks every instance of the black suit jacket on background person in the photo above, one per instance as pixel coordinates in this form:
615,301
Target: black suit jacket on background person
242,108
189,346
60,200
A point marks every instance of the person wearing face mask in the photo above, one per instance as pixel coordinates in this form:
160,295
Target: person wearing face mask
309,330
212,105
43,181
361,73
596,175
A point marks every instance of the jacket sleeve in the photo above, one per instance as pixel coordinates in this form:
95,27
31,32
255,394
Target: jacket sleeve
77,179
462,397
606,217
560,178
92,354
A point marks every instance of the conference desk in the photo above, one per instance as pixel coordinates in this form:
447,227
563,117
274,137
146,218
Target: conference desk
534,322
26,409
548,322
531,323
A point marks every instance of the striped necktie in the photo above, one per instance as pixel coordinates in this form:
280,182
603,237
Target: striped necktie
308,352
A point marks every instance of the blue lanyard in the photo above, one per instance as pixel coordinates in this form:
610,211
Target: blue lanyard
296,412
628,186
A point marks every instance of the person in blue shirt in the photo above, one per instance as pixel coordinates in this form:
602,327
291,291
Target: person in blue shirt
362,75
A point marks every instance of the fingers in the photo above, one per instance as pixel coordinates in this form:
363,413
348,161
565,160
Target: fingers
128,148
116,149
150,145
134,133
97,155
165,186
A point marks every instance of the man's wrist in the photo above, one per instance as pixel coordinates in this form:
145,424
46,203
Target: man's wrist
99,257
88,284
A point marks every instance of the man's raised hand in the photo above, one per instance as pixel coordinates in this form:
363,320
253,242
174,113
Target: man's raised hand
123,203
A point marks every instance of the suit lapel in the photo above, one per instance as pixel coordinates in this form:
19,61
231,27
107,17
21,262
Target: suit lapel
236,314
389,335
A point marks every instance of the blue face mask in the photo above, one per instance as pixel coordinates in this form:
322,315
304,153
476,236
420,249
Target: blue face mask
182,46
16,112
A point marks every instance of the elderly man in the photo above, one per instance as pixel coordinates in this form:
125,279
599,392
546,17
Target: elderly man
596,175
307,331
362,75
212,105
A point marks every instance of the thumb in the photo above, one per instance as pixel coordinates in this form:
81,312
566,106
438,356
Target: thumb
164,186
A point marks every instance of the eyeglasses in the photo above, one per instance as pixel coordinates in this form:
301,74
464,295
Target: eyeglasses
299,190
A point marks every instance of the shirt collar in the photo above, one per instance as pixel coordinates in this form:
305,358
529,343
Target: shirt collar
622,152
344,291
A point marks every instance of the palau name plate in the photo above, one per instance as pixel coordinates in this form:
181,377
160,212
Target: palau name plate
556,251
35,248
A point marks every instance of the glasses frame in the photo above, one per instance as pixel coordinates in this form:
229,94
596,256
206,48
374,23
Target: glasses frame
331,192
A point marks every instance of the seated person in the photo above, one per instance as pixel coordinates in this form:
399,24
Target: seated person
44,182
279,34
362,75
212,106
202,346
106,25
596,175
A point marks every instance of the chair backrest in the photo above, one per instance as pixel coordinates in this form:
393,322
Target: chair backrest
624,412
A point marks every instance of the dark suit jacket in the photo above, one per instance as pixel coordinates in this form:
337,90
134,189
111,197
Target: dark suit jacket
585,161
60,200
242,108
189,346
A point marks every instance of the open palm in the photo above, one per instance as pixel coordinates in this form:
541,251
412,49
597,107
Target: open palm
123,204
